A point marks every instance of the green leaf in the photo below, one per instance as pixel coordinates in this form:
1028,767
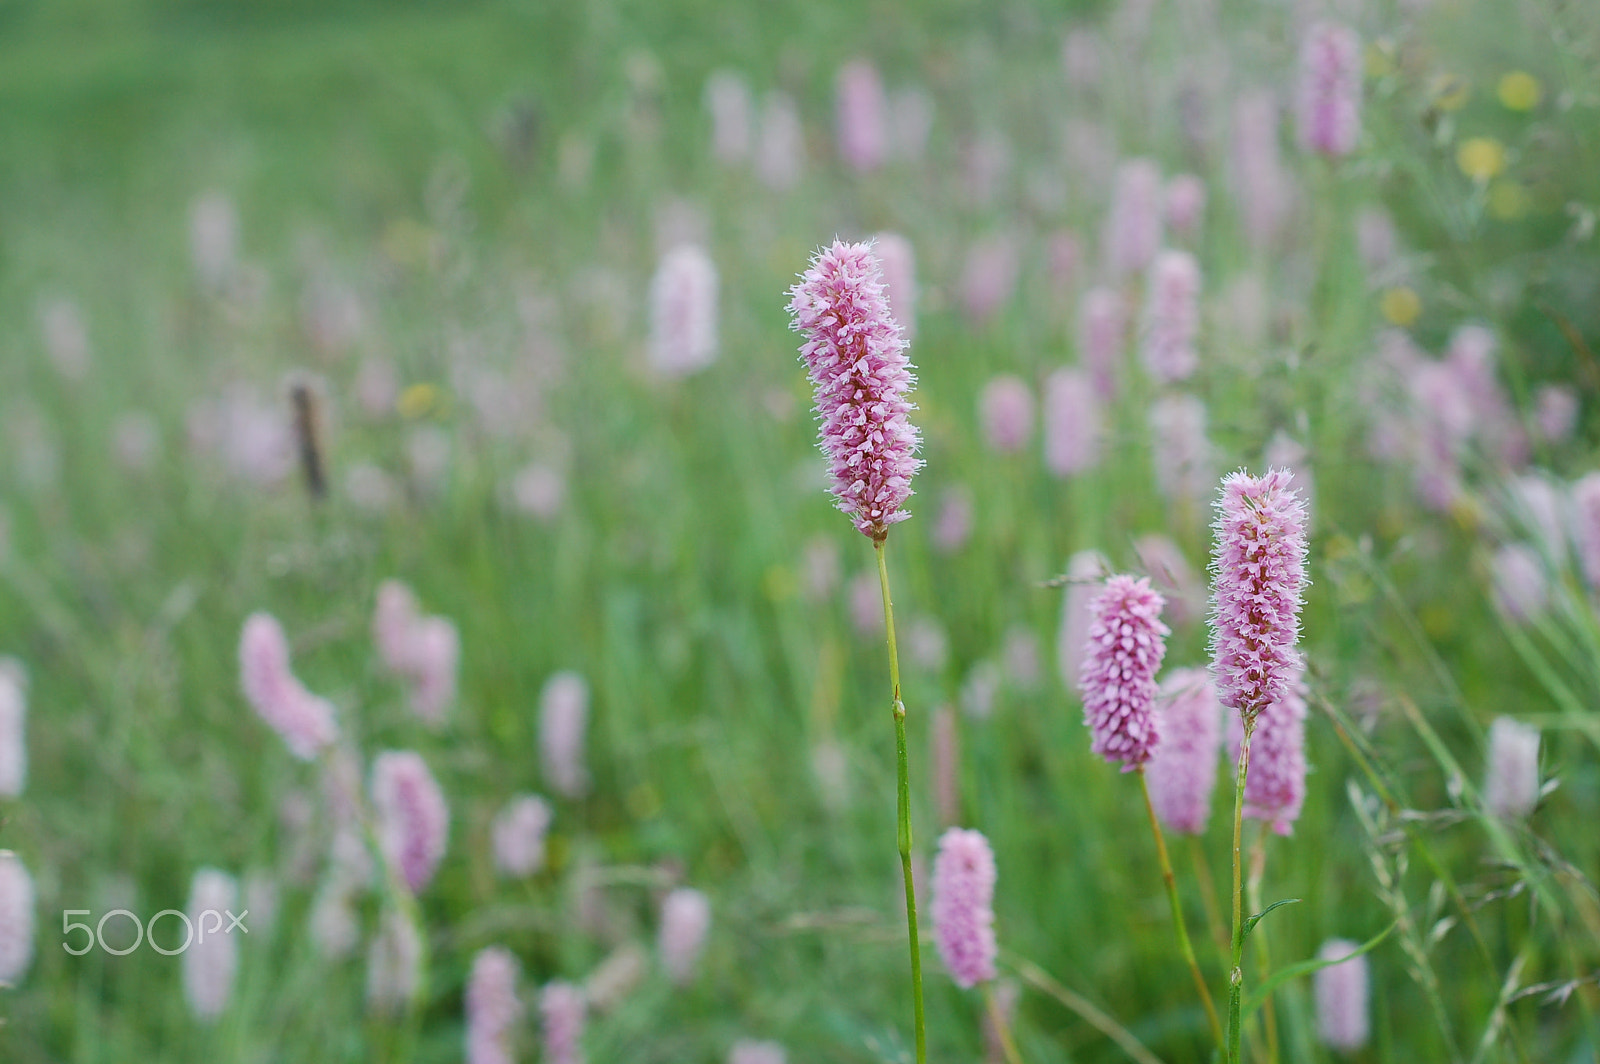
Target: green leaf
1250,924
1295,971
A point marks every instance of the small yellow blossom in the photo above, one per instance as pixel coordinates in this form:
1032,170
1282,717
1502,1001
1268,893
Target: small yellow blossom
1400,306
1520,91
1481,158
1507,200
419,400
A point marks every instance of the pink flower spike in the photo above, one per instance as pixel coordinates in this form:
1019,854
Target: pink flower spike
1185,205
1005,408
1258,578
1121,657
1133,224
413,820
1341,993
563,723
899,263
1102,325
855,354
683,312
1275,789
963,906
1071,423
1512,787
209,964
16,918
1329,98
863,116
13,727
685,920
1172,317
518,834
304,720
561,1011
492,1007
1586,507
1182,771
1084,570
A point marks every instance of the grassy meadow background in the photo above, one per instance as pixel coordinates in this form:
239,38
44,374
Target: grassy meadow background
477,194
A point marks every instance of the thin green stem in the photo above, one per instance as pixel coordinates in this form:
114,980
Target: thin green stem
903,788
1258,868
1002,1027
1236,976
1170,879
1208,898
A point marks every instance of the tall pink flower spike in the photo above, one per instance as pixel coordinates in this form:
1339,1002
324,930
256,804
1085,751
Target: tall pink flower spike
855,354
304,720
1329,99
963,906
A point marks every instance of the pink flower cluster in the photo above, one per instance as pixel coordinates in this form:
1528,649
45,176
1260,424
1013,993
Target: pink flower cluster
1182,771
561,1010
16,918
1172,317
1341,993
492,1007
1275,787
1133,225
304,720
963,906
1121,656
1330,89
413,820
685,920
425,651
855,354
1258,578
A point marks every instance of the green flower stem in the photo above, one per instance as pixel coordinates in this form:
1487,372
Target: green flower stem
903,787
1236,975
1171,881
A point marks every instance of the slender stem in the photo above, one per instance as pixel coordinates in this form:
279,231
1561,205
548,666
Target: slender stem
1208,895
1002,1027
1171,881
903,788
1236,975
1040,979
1258,868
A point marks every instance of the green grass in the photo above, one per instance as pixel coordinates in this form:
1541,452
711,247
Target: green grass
672,579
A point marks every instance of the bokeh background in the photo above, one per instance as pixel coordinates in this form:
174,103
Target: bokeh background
442,220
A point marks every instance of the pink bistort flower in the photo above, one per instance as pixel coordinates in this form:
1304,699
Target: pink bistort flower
1005,409
1172,317
1258,578
561,1011
492,1007
1185,205
683,312
16,918
1275,788
1102,322
413,822
1121,657
963,906
1341,993
1182,771
1512,787
563,722
685,920
13,727
210,961
1071,423
1586,518
899,263
863,116
728,99
1133,224
1329,98
304,720
855,354
1084,570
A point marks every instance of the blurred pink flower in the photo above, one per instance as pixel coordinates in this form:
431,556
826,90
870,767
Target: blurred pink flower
1085,569
394,957
1521,588
748,1052
728,99
685,920
13,728
213,239
1586,517
963,906
1556,412
866,603
1005,409
1182,771
561,1011
1072,426
1329,99
1512,787
1275,788
16,918
518,834
1172,575
210,961
1341,995
781,150
683,312
862,116
1102,324
1172,317
952,526
946,761
899,279
1185,205
1133,225
989,276
424,651
305,721
1182,452
539,490
66,337
493,1008
563,720
1260,186
413,822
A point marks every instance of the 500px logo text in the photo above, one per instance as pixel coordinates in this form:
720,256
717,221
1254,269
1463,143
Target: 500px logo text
209,922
